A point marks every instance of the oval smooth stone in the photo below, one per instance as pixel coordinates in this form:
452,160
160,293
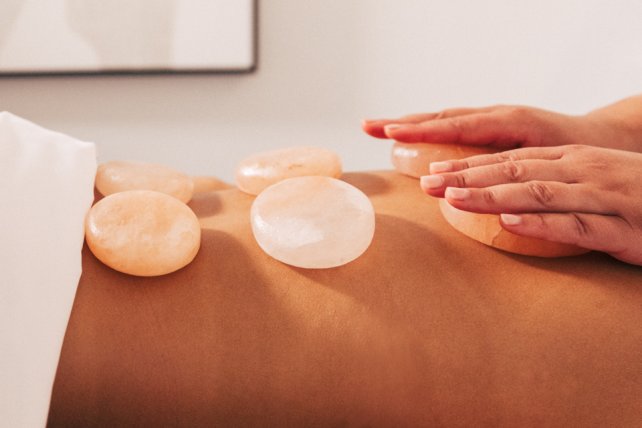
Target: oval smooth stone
414,159
486,229
119,176
143,232
313,222
261,170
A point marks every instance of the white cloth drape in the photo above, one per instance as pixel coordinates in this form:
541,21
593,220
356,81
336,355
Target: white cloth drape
46,188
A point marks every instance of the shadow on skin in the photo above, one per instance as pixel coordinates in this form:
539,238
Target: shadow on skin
369,184
430,294
206,204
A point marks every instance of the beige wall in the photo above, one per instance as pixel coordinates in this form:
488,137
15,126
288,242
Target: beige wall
324,65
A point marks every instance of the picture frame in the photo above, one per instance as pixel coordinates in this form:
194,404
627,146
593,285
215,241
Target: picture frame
97,37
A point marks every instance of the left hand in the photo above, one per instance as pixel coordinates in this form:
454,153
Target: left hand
582,195
618,126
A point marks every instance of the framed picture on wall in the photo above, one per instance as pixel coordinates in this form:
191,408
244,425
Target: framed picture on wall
127,36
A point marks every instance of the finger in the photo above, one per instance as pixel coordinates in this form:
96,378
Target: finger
526,153
500,173
504,127
591,231
533,196
375,127
444,114
473,129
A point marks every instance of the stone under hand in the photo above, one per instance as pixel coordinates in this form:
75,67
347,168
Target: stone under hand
143,232
414,159
313,222
119,176
261,170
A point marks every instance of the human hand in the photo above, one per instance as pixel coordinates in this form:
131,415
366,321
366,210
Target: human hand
587,196
509,127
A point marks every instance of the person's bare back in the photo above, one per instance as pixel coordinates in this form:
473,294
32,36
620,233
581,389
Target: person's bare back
427,328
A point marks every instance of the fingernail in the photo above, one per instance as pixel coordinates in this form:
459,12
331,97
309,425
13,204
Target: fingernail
511,219
457,193
436,167
391,127
432,181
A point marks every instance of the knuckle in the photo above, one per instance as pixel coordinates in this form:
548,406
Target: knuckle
458,125
461,165
441,115
462,179
513,171
580,227
489,197
448,113
503,157
508,156
519,113
541,221
541,193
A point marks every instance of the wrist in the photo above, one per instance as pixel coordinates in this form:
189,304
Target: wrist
608,129
623,121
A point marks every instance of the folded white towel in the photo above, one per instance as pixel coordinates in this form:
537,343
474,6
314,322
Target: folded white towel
46,188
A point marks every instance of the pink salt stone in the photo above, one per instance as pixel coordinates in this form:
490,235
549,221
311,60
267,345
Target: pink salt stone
313,222
119,176
414,159
142,232
261,170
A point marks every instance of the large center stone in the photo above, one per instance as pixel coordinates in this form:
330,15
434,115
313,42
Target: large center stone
313,222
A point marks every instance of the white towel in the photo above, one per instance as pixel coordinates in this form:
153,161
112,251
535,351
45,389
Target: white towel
46,188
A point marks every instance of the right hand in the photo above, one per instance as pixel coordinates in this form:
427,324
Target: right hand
582,195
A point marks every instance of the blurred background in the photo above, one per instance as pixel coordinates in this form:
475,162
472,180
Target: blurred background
323,66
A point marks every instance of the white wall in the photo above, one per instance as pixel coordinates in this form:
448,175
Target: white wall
324,65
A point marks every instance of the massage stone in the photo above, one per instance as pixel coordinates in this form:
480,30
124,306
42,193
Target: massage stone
118,176
313,222
414,159
261,170
143,232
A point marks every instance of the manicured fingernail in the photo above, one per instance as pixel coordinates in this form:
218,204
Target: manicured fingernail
511,219
436,167
432,181
457,193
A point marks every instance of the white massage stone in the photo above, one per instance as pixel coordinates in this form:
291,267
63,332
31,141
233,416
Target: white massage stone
142,232
261,170
313,222
119,176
